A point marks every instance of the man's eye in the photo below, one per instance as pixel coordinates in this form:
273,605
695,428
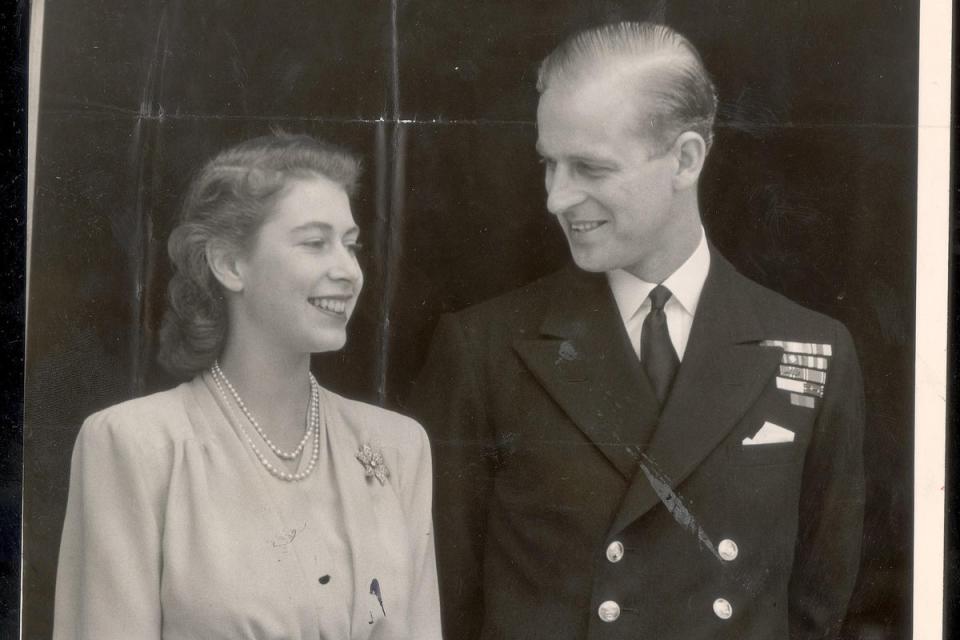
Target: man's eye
590,170
548,164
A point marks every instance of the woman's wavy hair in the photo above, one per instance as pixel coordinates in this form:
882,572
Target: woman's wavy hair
228,201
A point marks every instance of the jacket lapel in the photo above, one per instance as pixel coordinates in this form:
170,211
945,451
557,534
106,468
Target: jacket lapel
585,361
722,372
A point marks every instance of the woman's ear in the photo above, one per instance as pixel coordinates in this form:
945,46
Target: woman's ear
224,262
691,152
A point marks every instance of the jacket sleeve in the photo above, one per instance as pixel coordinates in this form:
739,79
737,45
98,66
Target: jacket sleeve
447,400
831,504
108,577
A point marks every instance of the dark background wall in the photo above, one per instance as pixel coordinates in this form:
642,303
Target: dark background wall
810,190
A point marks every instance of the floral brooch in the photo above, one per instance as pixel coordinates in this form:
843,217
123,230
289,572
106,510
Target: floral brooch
373,464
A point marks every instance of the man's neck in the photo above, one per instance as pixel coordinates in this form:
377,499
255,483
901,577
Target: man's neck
658,266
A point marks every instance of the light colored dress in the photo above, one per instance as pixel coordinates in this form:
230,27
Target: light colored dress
174,529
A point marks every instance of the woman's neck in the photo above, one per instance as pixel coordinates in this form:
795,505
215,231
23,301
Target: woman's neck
274,387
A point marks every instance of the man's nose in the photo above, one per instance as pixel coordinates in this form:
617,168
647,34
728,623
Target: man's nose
562,191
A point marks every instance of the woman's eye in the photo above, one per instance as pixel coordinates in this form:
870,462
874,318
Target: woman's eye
316,244
354,247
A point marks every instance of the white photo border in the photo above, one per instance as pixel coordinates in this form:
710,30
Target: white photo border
933,260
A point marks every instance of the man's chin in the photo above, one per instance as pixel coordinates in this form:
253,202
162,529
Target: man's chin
592,263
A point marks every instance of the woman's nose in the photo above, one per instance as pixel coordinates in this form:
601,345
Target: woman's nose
346,266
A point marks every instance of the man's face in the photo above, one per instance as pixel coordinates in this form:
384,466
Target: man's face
611,191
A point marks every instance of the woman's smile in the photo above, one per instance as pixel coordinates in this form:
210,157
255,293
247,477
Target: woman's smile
333,305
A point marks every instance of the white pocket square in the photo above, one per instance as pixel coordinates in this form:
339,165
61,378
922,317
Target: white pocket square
769,434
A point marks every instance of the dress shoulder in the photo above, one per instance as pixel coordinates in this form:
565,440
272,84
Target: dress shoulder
367,421
152,421
402,441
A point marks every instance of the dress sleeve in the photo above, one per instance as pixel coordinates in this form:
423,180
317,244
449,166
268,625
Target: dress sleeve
108,577
425,598
831,505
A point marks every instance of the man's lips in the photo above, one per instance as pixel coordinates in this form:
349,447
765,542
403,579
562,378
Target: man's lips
586,226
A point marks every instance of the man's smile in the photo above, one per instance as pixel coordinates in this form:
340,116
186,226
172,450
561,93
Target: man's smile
586,226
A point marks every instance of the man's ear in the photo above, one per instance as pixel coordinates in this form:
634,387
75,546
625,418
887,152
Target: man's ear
690,150
224,261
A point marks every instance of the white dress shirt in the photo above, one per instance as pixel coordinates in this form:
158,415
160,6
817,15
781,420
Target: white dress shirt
685,284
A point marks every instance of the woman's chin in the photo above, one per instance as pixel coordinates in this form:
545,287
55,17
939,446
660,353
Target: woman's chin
329,341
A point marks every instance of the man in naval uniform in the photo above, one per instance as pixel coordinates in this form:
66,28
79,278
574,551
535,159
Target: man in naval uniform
646,444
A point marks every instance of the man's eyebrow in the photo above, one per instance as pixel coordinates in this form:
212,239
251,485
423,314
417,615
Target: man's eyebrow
580,157
592,159
325,227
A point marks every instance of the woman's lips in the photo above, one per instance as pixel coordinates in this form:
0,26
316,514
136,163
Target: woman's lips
333,305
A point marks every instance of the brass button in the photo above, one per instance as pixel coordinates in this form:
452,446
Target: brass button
615,551
728,550
722,608
609,611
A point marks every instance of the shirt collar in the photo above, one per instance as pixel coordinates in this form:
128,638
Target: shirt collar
686,283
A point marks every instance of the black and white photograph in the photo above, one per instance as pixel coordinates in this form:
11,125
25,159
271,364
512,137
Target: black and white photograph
422,319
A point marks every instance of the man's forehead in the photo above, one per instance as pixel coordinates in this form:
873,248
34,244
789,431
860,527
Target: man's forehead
638,71
573,148
571,145
586,118
619,89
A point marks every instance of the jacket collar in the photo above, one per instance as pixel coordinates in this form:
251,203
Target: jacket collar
584,360
722,373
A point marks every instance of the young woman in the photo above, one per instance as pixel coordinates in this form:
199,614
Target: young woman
249,502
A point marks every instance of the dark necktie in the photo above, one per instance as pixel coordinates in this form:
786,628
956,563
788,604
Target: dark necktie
657,354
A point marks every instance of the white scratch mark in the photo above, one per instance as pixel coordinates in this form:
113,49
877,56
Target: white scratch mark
675,505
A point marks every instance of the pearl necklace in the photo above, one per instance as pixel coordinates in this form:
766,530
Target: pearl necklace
313,418
283,455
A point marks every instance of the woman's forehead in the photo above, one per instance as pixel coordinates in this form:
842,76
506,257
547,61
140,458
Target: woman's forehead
313,201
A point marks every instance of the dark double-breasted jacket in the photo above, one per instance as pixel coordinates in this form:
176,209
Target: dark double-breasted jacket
569,506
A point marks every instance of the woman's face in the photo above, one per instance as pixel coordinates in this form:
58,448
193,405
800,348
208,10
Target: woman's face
300,278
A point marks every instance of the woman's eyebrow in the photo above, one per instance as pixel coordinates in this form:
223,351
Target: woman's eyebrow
312,226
